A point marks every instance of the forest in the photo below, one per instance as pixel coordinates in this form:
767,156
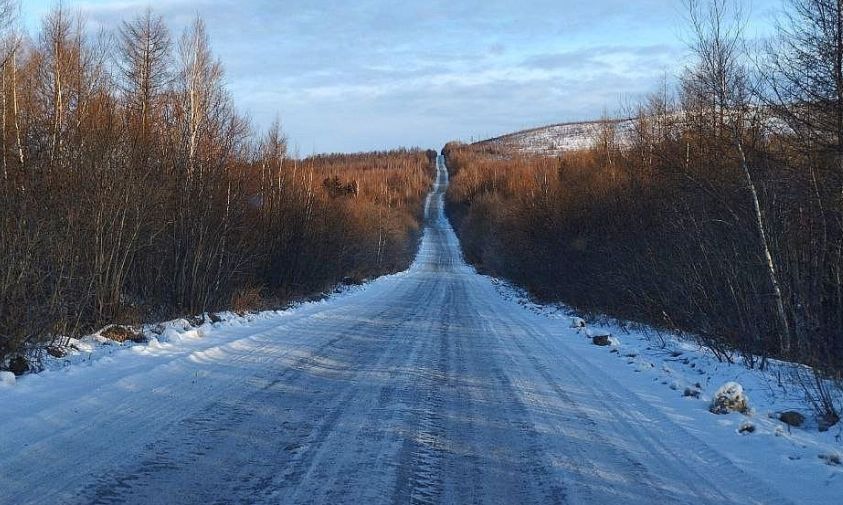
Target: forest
721,216
132,190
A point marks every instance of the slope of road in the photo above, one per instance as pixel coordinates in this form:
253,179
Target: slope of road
425,387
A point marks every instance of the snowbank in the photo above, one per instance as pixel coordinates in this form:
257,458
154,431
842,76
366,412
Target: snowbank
7,379
681,379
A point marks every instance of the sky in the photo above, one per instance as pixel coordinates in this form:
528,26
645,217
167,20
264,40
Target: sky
347,76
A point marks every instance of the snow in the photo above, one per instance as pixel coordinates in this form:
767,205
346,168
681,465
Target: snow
668,369
729,397
577,322
434,385
598,332
555,139
7,379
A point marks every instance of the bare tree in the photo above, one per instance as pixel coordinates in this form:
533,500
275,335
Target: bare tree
13,65
145,51
55,39
8,16
200,85
145,195
9,10
803,73
720,78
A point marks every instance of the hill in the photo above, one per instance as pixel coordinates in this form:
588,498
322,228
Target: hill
555,139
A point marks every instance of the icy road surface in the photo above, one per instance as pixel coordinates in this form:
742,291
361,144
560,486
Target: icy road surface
425,387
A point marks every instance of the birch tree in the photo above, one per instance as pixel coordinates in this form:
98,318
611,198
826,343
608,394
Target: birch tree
200,87
720,78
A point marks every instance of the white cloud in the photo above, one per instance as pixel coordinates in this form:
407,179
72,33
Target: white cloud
378,73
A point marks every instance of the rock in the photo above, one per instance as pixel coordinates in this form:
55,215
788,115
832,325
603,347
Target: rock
601,337
180,324
746,427
56,351
691,393
831,458
119,333
601,340
18,365
792,418
214,317
729,398
826,421
7,379
577,322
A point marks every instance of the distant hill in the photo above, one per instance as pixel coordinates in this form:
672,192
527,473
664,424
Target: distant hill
558,138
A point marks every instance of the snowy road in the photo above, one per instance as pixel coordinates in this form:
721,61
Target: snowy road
425,387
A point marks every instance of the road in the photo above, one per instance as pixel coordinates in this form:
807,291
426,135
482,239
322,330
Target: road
425,387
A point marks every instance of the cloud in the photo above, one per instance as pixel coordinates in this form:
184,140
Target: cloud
378,73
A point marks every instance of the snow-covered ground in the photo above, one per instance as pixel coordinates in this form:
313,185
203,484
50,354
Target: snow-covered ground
555,139
435,385
680,378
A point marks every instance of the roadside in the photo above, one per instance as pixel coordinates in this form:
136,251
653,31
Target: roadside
681,378
167,338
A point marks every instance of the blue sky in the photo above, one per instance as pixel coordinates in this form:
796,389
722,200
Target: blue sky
375,74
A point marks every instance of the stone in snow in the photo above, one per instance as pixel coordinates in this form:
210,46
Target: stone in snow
729,398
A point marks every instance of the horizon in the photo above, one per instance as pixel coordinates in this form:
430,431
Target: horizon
372,76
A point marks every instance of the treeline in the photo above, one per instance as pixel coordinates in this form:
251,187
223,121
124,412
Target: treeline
132,190
721,216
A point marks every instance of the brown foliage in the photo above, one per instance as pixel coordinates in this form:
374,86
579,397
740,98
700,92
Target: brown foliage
721,216
665,237
143,195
